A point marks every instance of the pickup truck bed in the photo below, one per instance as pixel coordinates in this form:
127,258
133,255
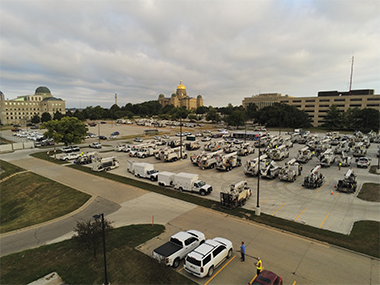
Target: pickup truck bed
167,249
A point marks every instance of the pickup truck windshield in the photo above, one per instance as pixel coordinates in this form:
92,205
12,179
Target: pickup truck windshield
201,183
176,241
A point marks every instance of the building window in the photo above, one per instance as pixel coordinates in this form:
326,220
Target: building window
309,111
310,101
309,106
297,106
296,101
323,106
373,99
324,100
355,105
321,116
340,106
373,105
356,99
339,100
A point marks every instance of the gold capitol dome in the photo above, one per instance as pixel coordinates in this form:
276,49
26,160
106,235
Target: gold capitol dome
181,86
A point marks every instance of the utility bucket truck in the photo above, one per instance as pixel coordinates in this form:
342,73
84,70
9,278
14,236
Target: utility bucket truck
270,170
342,147
327,158
215,145
348,184
246,149
209,160
315,178
290,171
195,158
359,150
235,195
174,154
85,158
304,155
279,153
190,182
344,160
104,164
228,161
194,145
251,166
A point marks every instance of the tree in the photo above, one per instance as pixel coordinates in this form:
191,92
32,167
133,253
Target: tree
57,116
89,234
212,115
36,119
333,119
251,111
201,110
236,118
45,117
69,130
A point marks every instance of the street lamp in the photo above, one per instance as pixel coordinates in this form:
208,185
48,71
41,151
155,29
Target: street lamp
257,210
96,217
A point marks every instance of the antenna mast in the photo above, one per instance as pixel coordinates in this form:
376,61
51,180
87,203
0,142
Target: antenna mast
352,71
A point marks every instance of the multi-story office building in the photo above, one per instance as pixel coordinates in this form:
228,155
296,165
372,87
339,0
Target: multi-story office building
318,106
23,108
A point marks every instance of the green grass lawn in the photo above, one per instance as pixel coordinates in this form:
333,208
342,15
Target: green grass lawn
28,199
125,264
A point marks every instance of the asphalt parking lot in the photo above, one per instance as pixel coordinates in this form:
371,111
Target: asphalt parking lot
323,207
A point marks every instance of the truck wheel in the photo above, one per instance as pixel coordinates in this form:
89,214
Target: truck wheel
210,271
180,189
229,253
138,175
152,178
203,193
176,263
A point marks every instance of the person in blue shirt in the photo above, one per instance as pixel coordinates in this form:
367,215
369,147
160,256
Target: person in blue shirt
242,251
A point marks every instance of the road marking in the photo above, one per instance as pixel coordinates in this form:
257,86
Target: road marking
324,219
324,184
219,270
262,202
270,182
294,282
278,209
180,269
300,214
255,276
337,193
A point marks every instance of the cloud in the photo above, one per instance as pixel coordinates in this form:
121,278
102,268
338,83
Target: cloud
86,51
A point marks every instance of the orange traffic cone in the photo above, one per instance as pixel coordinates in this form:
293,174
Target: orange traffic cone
332,192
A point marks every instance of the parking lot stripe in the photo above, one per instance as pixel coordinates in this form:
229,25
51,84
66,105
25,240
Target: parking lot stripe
324,185
219,270
324,219
180,269
263,202
300,214
294,282
278,209
255,276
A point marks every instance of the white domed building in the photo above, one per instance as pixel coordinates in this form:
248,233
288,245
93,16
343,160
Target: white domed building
23,108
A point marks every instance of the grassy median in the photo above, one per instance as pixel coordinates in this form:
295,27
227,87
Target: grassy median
125,264
28,198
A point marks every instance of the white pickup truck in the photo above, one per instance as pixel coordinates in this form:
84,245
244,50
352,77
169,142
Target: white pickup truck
178,247
69,156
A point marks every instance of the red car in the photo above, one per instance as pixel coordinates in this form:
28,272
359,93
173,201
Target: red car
267,277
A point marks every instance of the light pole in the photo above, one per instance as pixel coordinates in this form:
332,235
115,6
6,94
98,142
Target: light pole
257,210
180,134
96,217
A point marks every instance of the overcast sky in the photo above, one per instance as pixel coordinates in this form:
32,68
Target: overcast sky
86,51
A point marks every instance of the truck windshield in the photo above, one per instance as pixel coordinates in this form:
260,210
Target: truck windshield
201,183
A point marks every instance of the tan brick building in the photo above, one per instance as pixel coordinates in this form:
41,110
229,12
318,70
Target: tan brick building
180,98
23,108
318,106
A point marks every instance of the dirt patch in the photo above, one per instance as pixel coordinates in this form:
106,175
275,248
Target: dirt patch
370,192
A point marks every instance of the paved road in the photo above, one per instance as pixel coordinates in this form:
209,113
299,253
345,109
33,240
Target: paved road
295,258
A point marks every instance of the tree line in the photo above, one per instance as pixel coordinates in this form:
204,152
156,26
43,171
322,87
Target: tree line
278,115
